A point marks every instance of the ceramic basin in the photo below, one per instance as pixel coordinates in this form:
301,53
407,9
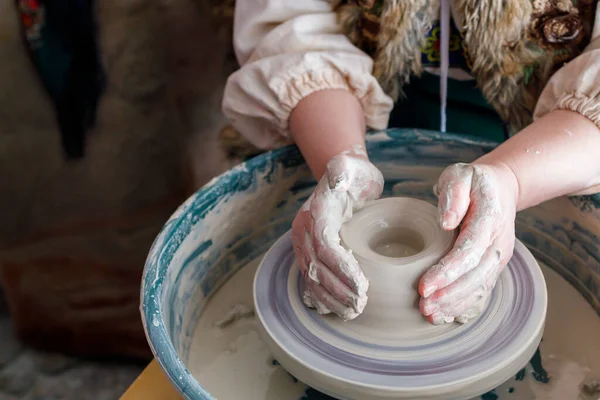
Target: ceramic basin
238,216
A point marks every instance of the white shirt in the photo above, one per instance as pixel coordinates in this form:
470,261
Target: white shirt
289,49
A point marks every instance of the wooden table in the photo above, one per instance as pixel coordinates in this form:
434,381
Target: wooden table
152,384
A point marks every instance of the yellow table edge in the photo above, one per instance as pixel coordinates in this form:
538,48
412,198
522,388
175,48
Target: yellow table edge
152,384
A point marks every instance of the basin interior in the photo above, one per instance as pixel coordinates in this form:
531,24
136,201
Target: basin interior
229,225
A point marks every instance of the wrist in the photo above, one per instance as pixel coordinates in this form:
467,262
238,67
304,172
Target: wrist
555,156
326,124
507,178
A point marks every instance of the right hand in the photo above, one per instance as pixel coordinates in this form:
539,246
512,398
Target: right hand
334,280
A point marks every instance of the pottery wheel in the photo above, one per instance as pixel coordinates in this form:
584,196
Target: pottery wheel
353,360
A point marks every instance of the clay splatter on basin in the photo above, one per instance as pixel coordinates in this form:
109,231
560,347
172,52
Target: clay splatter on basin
240,214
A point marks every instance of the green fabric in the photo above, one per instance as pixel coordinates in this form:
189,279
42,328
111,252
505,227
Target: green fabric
467,113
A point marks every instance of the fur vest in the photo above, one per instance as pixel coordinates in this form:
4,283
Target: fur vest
513,46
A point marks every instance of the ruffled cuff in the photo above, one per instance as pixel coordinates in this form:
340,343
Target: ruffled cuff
376,105
586,105
575,87
260,97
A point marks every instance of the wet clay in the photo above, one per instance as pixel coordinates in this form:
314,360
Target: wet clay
390,350
234,363
394,240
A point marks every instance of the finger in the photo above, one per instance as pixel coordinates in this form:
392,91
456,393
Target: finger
453,192
473,312
302,261
470,246
318,279
321,275
463,294
326,303
299,225
351,182
324,228
309,298
445,317
311,301
343,265
431,307
481,225
441,318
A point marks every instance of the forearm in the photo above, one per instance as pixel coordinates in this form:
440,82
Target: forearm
326,123
557,155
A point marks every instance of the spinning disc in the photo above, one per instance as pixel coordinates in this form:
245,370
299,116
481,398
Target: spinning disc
449,362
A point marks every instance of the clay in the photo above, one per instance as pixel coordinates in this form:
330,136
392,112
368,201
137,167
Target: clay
217,355
394,240
390,351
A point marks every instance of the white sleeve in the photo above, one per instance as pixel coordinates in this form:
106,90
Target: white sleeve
576,86
289,49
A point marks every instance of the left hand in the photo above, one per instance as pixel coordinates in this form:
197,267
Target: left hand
484,198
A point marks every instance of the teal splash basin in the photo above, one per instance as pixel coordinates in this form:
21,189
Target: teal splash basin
238,215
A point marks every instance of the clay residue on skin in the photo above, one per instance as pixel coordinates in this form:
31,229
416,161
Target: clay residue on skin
349,182
470,193
237,312
356,150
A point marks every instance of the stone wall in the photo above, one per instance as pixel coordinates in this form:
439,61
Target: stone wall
74,235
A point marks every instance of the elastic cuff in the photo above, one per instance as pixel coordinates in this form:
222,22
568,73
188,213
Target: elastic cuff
295,90
585,105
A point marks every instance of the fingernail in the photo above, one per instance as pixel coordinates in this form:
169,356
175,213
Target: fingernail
429,291
449,219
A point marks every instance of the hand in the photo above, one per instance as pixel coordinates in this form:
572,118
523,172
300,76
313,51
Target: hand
484,198
333,277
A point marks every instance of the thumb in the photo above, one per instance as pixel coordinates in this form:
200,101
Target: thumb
453,191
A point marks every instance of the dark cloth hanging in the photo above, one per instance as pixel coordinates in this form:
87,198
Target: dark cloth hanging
61,38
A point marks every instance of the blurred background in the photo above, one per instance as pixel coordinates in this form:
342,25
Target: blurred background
109,118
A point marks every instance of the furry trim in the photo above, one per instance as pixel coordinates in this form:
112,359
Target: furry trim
399,35
399,55
349,16
513,46
494,34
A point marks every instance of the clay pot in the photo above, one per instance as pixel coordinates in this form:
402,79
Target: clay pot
395,240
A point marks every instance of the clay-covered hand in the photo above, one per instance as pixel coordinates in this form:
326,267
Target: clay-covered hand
483,200
334,280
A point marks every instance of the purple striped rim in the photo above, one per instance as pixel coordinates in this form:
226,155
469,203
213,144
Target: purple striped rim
282,323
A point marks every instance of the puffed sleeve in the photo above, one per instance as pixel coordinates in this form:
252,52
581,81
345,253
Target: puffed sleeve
576,86
289,49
